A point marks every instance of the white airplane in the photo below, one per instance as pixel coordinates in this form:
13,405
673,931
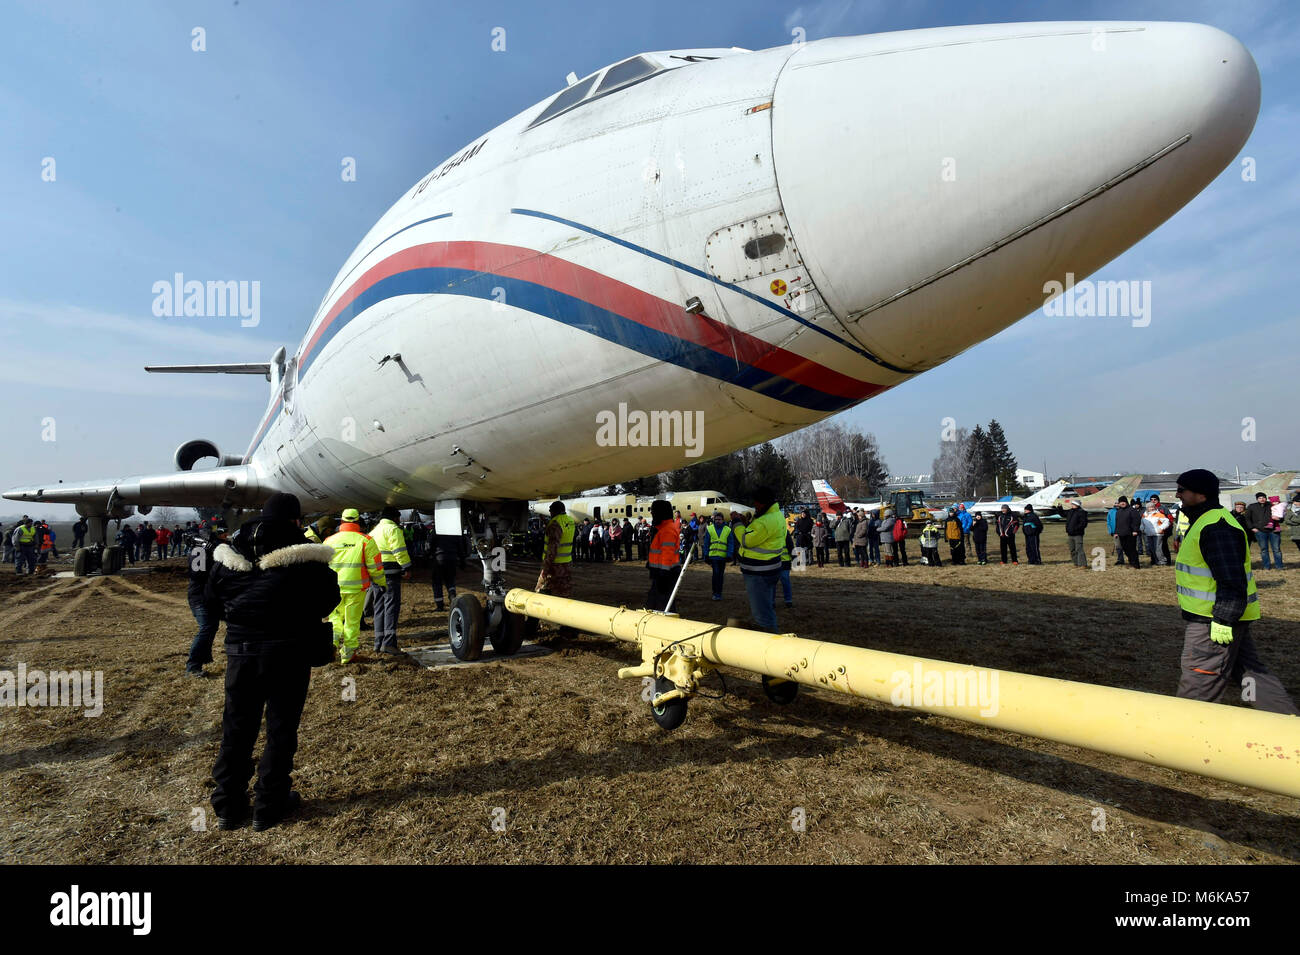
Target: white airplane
1041,500
831,503
731,244
607,507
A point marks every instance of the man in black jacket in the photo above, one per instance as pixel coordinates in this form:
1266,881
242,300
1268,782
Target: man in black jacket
275,590
206,614
1032,525
1128,524
1258,517
1218,600
1076,523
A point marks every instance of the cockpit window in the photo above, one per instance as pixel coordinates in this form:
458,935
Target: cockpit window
619,76
623,73
566,100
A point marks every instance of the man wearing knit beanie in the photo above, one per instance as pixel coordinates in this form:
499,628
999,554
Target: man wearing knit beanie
1218,599
282,507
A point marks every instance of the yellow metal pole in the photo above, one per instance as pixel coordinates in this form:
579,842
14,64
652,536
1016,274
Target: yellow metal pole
1231,743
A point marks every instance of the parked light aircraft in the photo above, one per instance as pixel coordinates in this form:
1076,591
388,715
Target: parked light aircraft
1275,484
607,507
1102,501
831,503
1041,500
748,241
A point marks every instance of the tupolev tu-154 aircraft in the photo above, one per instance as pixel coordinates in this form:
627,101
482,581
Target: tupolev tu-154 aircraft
753,240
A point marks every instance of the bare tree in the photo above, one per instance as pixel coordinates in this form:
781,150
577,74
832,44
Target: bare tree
837,454
959,463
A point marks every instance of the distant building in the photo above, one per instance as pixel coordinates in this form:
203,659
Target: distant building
1034,480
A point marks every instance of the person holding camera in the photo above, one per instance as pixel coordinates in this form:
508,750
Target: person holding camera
275,590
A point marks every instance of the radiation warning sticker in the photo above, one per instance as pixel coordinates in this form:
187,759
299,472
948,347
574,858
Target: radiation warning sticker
778,287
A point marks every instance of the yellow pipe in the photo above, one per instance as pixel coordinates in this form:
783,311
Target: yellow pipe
1231,743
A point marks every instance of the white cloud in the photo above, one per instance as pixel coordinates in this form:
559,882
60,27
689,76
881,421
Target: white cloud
66,347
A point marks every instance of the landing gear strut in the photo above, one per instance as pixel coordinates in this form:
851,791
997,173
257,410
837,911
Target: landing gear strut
97,559
470,622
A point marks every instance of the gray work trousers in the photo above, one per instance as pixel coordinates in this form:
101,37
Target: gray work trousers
388,604
1210,668
1077,552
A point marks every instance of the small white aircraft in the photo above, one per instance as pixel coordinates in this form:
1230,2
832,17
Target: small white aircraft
1041,500
714,247
831,503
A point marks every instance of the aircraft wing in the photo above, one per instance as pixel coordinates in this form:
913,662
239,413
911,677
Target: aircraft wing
216,487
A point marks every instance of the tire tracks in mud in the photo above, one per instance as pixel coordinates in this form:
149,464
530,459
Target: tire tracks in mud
24,606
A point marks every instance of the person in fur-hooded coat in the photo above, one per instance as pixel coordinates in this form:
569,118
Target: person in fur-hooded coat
275,589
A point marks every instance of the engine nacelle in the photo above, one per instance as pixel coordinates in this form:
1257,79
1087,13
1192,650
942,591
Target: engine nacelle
191,452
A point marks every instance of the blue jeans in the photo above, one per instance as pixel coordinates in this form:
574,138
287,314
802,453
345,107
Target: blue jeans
761,589
1266,538
785,584
208,620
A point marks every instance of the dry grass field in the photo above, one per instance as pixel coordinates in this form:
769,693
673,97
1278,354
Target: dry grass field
418,766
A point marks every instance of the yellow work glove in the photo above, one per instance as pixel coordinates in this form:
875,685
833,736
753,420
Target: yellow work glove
1220,633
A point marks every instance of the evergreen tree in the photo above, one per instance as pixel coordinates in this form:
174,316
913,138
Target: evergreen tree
647,486
771,468
981,465
1004,462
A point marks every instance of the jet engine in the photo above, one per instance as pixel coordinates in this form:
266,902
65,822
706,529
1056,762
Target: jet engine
191,452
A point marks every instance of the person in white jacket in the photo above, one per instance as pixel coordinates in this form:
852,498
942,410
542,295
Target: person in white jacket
1154,525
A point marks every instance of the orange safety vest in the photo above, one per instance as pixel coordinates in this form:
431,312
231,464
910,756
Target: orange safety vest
663,546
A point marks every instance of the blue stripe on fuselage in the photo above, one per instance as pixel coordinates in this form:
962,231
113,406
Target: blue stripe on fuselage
590,318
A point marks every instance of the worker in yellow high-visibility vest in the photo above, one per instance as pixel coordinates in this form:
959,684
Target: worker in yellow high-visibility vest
761,545
25,546
358,563
1218,599
388,603
721,543
556,577
323,528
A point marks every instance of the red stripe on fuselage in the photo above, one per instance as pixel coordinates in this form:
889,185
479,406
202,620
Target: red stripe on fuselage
608,293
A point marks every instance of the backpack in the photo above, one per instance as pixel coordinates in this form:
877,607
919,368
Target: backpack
900,529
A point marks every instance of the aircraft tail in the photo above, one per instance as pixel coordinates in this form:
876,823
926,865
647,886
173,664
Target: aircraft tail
827,499
1273,484
1046,497
1124,486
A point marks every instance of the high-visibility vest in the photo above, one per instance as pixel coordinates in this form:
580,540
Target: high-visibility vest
356,561
48,541
1196,585
311,535
392,543
564,551
761,543
26,535
663,546
1181,525
718,543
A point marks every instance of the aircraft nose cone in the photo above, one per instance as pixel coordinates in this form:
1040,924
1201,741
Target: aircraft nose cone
936,180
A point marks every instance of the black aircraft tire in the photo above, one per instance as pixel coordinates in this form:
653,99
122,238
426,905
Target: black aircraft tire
466,628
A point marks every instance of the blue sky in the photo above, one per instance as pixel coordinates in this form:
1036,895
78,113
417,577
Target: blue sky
226,163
